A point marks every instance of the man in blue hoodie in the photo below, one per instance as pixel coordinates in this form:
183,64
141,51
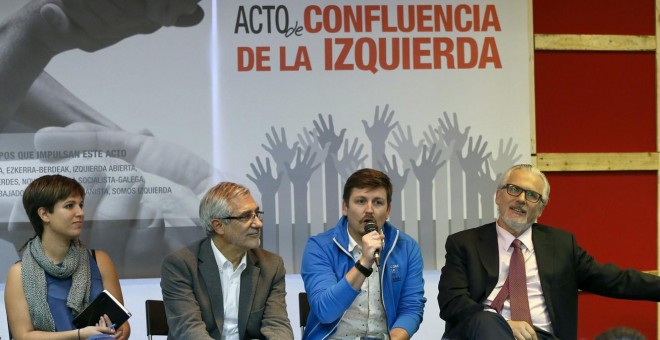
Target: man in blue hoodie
346,301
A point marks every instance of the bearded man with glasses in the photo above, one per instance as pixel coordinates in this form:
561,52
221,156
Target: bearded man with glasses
225,286
514,278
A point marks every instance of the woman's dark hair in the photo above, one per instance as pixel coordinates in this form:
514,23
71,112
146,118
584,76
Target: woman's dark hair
44,192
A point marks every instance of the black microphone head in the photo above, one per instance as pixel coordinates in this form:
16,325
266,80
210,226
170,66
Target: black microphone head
370,226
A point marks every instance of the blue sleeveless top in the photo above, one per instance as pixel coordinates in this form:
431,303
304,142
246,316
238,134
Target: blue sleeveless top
58,291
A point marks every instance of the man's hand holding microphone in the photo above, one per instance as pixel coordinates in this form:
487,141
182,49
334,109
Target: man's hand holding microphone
372,244
374,238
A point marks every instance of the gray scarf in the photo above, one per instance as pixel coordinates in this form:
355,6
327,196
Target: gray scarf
36,264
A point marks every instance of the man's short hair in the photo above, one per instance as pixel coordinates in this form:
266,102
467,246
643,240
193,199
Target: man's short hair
216,203
529,168
367,179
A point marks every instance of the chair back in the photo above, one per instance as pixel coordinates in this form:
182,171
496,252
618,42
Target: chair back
156,318
303,308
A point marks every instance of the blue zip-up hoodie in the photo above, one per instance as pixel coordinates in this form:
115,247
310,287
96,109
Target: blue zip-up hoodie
327,260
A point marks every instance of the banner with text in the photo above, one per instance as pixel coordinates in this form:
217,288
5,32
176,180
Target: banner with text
288,99
434,94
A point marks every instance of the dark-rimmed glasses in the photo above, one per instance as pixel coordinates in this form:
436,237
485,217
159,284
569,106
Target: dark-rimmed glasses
247,217
515,191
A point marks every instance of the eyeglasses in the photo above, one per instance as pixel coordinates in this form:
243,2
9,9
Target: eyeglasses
530,195
247,217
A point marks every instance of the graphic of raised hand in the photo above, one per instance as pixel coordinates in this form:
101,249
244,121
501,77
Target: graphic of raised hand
474,161
392,170
326,134
309,139
506,157
300,173
406,148
404,145
441,203
475,157
279,148
453,135
452,132
378,132
398,183
429,164
351,159
266,182
268,185
434,137
485,185
302,170
328,137
283,155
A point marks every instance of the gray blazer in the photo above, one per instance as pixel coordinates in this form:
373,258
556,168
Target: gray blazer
190,282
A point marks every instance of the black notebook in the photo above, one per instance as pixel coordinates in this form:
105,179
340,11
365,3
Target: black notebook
105,303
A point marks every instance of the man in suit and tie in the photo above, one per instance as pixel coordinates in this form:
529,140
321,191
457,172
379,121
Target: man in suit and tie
480,295
224,286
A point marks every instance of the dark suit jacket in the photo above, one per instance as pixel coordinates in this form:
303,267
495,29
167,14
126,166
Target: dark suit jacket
190,281
472,266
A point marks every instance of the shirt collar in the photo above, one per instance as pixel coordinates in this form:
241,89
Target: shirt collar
351,242
505,238
223,262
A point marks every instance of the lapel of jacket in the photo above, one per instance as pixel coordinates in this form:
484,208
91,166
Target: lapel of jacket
489,255
208,269
249,280
545,260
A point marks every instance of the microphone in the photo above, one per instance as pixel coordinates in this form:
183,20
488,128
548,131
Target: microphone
370,226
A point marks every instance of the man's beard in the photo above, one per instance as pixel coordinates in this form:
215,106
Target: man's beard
519,227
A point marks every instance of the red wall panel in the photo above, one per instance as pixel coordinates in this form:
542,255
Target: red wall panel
613,216
597,313
595,102
601,102
634,17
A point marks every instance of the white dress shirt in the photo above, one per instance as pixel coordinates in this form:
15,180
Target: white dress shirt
230,280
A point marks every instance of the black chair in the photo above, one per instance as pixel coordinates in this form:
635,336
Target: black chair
303,308
156,318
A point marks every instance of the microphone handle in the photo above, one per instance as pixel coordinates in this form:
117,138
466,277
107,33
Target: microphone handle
369,227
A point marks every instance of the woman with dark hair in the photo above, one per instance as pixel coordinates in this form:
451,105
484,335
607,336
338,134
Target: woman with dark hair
57,276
